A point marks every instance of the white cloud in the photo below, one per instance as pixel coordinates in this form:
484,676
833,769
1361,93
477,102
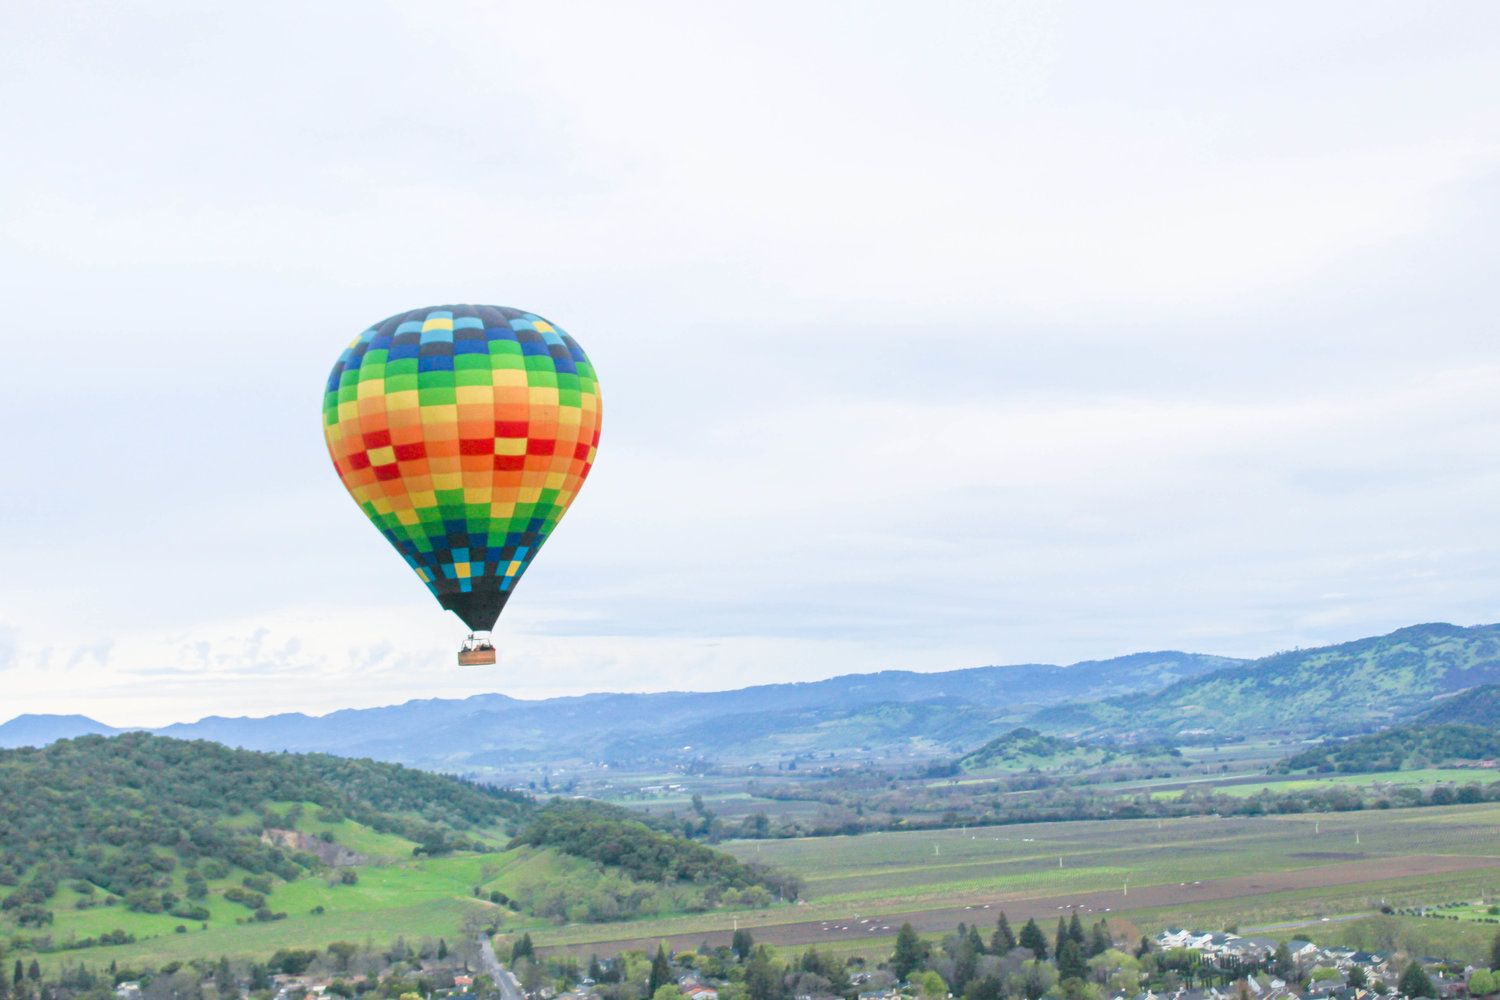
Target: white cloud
928,338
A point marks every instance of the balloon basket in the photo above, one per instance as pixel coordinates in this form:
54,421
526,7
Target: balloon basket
477,651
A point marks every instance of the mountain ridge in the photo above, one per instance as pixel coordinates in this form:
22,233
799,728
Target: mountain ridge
1345,688
648,725
1342,689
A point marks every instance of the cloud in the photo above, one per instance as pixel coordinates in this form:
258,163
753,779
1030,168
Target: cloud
927,338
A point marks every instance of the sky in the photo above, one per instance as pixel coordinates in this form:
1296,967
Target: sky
930,335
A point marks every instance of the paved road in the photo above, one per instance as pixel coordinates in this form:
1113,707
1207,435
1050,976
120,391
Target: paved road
509,988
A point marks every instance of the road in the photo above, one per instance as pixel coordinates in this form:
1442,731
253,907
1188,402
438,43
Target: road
509,988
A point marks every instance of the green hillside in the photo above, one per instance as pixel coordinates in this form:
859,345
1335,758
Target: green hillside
1478,706
1406,748
143,844
1346,688
1026,749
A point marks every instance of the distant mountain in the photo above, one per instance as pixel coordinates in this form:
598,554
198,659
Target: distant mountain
1349,688
882,713
1341,690
39,730
1478,706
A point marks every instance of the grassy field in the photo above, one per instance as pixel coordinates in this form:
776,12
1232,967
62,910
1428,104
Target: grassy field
1301,783
1484,912
1142,873
882,874
396,894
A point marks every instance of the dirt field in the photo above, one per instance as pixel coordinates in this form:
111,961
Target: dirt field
983,908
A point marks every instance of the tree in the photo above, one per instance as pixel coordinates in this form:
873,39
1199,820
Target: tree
661,971
1038,980
1358,979
224,978
965,964
1033,938
1070,961
985,988
19,975
1414,982
1061,937
667,991
1495,952
1075,930
1482,983
442,951
260,977
931,986
742,944
1004,939
910,952
762,978
523,949
1282,966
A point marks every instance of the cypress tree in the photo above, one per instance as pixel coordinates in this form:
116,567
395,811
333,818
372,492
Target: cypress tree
910,952
1075,931
1004,939
1062,936
661,970
1033,938
1099,940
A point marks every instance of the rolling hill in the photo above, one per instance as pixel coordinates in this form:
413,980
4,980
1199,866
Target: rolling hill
110,842
1025,749
1404,748
1478,706
1344,689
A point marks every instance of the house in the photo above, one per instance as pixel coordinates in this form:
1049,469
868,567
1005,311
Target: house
1174,937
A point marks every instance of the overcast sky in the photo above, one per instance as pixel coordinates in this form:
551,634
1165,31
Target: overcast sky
930,335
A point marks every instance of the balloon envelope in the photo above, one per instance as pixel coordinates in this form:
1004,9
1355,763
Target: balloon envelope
464,432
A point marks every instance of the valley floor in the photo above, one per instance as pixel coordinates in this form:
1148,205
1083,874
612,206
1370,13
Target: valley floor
1143,874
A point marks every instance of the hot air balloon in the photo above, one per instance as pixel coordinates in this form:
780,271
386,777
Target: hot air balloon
464,432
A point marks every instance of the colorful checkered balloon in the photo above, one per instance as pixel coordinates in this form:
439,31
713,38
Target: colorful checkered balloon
463,433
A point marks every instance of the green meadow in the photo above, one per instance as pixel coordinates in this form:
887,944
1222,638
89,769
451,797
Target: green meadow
1423,778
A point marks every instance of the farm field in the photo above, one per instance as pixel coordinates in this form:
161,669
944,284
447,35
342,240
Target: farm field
1244,788
1147,871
